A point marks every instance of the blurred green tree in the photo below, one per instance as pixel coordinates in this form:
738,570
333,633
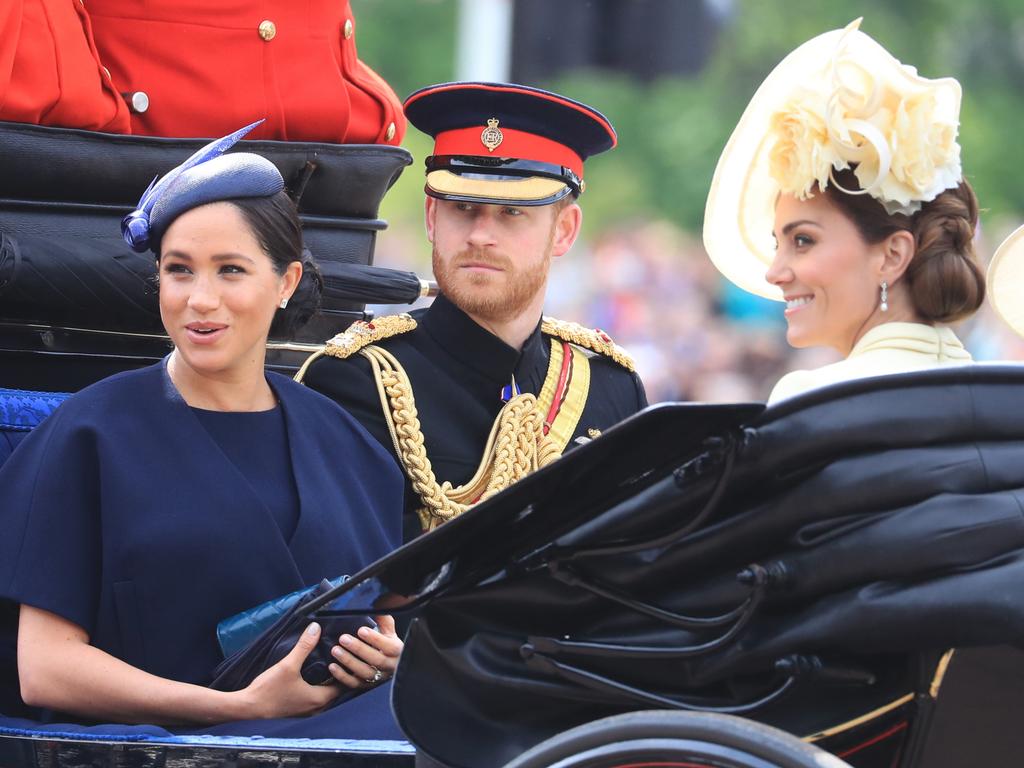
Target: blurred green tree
672,130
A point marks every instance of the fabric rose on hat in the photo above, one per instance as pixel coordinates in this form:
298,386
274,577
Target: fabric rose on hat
897,130
925,156
802,154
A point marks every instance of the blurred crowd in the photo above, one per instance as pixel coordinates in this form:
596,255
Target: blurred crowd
694,336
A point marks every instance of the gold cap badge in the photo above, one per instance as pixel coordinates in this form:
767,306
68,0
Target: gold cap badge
491,136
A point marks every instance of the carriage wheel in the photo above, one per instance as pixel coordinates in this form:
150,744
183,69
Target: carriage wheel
669,739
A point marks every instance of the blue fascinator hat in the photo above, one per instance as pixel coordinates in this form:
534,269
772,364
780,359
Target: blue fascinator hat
208,176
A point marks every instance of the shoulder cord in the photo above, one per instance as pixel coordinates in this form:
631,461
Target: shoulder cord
301,373
515,447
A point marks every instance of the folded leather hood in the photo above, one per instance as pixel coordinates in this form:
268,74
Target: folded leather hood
806,566
63,193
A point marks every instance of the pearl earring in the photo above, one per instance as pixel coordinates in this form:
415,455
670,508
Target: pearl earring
283,304
884,305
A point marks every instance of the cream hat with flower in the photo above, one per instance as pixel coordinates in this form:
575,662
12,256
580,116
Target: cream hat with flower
1005,281
838,101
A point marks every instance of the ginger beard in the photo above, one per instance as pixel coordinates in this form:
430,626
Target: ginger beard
497,294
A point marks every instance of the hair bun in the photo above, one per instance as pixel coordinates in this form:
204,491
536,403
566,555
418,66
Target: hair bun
961,231
305,302
945,278
311,267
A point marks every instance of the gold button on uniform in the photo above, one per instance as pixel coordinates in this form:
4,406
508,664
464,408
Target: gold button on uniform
389,134
348,28
267,30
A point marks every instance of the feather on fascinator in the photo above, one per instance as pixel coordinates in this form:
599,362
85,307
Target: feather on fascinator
206,177
838,101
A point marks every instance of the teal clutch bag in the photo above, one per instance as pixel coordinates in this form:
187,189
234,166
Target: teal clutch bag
238,631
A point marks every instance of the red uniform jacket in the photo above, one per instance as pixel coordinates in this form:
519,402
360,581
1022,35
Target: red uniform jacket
210,66
50,72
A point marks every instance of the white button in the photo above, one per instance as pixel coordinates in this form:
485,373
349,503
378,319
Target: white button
138,101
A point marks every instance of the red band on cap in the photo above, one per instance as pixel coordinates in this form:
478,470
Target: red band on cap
519,145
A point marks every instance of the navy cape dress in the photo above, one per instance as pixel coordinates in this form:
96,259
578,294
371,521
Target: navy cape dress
123,515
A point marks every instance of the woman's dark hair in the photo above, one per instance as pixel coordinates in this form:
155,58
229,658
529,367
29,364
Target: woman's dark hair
944,279
275,223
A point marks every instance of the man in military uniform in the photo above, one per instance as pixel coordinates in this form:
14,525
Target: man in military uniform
479,389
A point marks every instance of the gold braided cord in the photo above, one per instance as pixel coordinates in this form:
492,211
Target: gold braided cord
595,340
515,447
300,375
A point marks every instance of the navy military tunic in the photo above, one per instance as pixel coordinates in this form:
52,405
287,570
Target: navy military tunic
457,370
123,515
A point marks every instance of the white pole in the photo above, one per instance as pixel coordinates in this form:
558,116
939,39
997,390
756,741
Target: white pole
484,40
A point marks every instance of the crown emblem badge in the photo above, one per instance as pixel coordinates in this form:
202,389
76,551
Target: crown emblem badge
491,136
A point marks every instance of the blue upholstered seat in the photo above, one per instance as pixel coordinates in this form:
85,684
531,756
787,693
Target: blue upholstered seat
20,412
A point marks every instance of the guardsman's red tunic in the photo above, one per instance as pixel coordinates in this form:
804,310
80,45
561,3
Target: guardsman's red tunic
209,67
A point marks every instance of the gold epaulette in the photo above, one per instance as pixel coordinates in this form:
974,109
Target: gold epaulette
362,333
593,339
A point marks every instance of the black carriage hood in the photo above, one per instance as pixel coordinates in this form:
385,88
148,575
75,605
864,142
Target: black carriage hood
721,558
64,264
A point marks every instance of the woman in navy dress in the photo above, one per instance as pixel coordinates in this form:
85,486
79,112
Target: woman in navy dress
155,503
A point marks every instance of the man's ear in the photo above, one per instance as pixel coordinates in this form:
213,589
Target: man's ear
897,251
568,222
429,212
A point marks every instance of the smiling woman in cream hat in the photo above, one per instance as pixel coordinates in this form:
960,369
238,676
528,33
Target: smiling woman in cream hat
840,192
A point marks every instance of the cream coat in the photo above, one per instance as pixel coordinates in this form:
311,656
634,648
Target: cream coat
887,348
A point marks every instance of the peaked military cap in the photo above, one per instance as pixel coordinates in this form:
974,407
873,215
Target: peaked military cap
505,143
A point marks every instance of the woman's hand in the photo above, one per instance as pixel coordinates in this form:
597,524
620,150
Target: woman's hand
280,690
58,669
370,658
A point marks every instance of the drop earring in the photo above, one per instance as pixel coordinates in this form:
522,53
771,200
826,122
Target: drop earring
283,304
884,304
